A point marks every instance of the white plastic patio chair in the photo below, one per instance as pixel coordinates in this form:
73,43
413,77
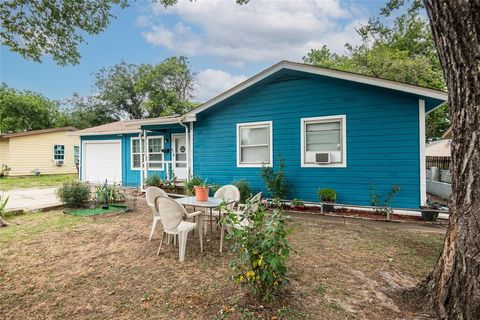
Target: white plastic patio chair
250,206
152,194
172,216
230,194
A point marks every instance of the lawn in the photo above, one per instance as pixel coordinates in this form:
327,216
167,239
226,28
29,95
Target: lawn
58,266
23,182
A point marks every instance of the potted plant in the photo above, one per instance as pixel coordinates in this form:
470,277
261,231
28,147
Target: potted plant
328,197
298,205
201,190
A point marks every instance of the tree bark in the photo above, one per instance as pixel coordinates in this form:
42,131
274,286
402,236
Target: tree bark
453,288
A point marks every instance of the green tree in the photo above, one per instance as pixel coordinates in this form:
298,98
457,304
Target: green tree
146,91
25,110
403,51
35,28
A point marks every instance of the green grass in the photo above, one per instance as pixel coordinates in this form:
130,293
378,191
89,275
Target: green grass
23,182
32,225
96,211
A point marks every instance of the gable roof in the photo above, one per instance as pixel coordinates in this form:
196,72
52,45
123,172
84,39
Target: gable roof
123,126
295,66
447,134
33,132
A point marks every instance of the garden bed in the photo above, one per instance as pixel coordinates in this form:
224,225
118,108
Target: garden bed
84,212
359,213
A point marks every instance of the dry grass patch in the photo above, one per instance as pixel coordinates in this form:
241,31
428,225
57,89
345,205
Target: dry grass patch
57,266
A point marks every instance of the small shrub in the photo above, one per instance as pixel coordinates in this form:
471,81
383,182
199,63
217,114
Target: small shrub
153,181
113,192
74,194
261,252
383,203
327,195
244,188
4,170
275,181
297,203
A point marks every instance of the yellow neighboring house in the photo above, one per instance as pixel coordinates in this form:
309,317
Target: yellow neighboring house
49,151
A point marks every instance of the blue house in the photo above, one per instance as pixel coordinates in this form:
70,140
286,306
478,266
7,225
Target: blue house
333,129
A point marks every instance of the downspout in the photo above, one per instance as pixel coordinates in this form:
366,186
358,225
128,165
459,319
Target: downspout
187,139
141,161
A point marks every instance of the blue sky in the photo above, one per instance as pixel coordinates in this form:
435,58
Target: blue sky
225,43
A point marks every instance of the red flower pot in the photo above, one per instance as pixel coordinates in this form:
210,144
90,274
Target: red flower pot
201,193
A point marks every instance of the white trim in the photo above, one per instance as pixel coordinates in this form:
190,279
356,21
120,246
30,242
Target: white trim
146,155
172,143
343,164
131,154
423,168
436,94
64,152
103,133
190,170
84,142
254,124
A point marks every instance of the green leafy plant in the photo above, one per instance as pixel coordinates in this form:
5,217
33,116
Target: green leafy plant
261,251
4,170
74,194
114,194
196,181
327,195
153,181
297,203
382,203
276,182
244,188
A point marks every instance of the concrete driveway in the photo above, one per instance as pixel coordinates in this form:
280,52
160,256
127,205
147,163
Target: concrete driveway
31,199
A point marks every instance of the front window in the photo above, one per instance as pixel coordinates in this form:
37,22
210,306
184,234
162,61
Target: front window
254,144
324,141
59,152
76,154
136,157
155,153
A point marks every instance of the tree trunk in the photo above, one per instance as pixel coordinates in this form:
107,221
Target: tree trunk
454,286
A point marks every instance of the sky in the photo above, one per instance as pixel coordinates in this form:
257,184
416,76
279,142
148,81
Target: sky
224,42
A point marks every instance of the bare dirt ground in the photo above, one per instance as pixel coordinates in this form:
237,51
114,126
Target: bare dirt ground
55,266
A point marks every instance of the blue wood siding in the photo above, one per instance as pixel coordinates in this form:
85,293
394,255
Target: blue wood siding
382,138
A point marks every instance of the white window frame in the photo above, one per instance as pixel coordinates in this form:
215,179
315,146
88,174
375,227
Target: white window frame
259,124
64,152
162,153
303,121
131,154
78,154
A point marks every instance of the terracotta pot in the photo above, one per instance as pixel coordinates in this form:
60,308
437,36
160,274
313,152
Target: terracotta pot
201,193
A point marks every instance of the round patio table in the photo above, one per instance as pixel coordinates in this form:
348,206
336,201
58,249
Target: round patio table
210,204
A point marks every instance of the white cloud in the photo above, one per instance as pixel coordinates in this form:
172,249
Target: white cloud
261,31
211,82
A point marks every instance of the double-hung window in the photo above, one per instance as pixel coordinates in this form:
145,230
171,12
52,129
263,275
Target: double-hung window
76,154
59,152
155,153
254,144
324,141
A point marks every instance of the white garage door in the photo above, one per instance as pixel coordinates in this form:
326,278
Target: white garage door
102,160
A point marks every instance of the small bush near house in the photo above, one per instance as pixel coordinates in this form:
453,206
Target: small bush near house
153,181
4,170
261,252
244,188
74,194
327,195
383,203
276,182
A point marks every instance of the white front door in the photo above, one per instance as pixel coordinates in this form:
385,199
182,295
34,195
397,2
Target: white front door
179,156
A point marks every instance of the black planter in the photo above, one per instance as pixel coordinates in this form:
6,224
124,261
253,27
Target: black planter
429,215
328,207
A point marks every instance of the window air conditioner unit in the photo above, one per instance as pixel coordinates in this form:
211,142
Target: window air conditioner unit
58,163
322,158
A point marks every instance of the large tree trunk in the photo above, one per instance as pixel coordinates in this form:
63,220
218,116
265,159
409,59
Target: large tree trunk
454,285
